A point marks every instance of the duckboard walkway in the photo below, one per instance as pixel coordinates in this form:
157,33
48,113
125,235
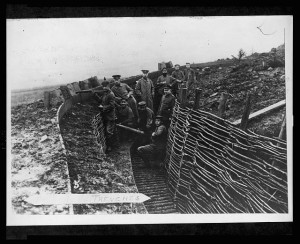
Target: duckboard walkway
152,182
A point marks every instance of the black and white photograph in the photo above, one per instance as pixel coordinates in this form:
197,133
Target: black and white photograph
137,120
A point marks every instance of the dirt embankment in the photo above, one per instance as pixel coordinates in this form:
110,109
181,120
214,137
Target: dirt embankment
91,172
262,75
38,163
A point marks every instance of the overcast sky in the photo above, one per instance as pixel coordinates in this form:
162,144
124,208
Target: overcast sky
51,51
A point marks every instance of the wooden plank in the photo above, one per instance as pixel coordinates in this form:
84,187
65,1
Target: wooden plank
262,111
101,198
245,117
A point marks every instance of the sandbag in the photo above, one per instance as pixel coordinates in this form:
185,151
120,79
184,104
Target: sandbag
76,86
56,97
93,82
72,90
65,92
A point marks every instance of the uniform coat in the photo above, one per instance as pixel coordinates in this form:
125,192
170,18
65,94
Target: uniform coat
145,90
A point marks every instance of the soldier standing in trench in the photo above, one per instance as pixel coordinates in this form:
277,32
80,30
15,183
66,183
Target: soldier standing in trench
190,78
145,123
178,75
125,117
107,108
162,81
158,143
144,90
123,91
166,105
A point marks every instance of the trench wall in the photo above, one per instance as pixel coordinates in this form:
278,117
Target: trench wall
214,167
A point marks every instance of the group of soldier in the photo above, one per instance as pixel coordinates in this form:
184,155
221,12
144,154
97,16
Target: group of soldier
147,108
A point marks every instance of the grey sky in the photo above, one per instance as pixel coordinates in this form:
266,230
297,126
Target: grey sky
51,51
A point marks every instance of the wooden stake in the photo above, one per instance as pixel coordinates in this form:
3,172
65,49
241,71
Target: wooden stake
246,113
184,97
197,98
47,99
281,133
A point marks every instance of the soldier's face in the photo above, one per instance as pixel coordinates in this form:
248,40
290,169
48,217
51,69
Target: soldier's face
145,75
176,67
123,105
157,122
117,82
188,66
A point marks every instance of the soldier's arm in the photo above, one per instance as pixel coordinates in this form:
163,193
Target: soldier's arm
138,88
152,88
159,81
182,75
129,89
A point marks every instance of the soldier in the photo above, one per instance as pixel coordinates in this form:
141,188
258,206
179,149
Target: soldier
145,122
112,82
166,105
123,91
190,78
162,81
144,89
107,108
177,74
124,117
198,74
156,149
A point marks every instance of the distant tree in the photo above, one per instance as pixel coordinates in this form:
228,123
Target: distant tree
240,55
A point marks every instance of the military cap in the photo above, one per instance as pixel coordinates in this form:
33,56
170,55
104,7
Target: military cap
123,101
145,71
116,76
142,103
187,63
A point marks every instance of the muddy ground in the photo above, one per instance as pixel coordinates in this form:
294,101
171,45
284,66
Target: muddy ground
38,164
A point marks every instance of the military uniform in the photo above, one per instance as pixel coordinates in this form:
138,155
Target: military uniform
177,74
121,92
156,148
145,123
144,89
125,117
161,82
108,115
190,78
166,108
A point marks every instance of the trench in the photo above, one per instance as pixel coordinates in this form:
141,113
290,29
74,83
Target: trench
91,171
